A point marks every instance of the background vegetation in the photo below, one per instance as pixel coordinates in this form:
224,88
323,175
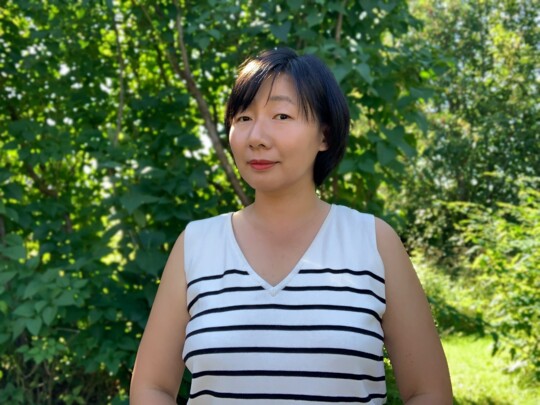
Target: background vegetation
111,141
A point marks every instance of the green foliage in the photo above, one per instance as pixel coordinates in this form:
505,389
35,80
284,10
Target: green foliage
503,259
483,119
107,110
496,291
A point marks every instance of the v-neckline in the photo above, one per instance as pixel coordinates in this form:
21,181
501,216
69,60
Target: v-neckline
275,289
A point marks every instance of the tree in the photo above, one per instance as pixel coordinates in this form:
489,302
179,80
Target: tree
470,196
111,142
484,118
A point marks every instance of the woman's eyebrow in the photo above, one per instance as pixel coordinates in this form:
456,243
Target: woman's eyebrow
278,97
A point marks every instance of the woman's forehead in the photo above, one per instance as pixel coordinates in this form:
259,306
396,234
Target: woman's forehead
279,88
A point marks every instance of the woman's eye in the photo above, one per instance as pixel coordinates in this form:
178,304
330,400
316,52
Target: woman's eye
282,116
242,118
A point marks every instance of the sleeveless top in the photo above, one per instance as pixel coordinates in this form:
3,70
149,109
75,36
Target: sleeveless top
315,338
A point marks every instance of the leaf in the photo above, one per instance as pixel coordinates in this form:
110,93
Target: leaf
13,215
340,71
135,199
173,128
366,164
13,239
6,276
13,190
365,71
34,326
347,165
387,91
49,314
79,284
40,305
3,307
32,263
295,5
151,262
18,327
65,299
31,289
396,136
189,141
140,218
94,316
421,93
26,309
281,31
385,153
215,33
13,252
314,18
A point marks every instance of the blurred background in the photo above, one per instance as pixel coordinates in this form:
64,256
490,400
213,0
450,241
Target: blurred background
111,141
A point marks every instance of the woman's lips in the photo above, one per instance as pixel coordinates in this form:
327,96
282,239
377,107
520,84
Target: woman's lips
261,165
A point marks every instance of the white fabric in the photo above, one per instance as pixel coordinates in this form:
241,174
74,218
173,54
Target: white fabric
315,338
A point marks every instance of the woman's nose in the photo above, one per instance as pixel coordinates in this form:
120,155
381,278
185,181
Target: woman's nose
258,137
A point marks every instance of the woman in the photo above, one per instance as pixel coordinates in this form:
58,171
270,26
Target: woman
291,298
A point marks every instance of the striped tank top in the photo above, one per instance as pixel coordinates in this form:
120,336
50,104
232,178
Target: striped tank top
315,338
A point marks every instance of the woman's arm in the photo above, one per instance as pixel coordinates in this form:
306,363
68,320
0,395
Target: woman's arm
411,338
158,369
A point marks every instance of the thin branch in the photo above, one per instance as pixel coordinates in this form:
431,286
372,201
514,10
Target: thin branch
38,181
339,27
121,69
2,231
155,35
185,74
340,23
69,224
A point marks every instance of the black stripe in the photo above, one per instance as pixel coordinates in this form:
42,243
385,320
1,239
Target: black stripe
225,273
222,291
287,328
289,308
292,397
342,271
287,373
334,288
292,350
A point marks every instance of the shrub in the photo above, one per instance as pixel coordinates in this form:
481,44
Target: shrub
503,260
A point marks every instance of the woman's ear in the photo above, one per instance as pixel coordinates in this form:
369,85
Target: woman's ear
324,143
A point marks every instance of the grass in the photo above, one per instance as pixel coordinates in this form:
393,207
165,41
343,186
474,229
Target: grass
479,378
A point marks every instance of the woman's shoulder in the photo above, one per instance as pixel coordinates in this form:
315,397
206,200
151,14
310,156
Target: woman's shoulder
205,224
349,213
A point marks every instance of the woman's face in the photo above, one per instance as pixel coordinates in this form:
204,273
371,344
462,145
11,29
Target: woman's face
273,143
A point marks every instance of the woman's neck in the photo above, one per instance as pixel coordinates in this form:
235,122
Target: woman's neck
272,211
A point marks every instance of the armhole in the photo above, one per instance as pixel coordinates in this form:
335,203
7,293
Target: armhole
374,239
187,250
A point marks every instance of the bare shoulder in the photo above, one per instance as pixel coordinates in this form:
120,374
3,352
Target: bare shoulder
384,231
158,367
411,338
389,244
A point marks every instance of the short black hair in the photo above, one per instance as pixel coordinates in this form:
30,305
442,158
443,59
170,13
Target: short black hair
318,93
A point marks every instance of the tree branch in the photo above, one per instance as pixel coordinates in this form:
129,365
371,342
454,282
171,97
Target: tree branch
121,69
340,23
210,125
186,76
157,41
38,181
2,231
